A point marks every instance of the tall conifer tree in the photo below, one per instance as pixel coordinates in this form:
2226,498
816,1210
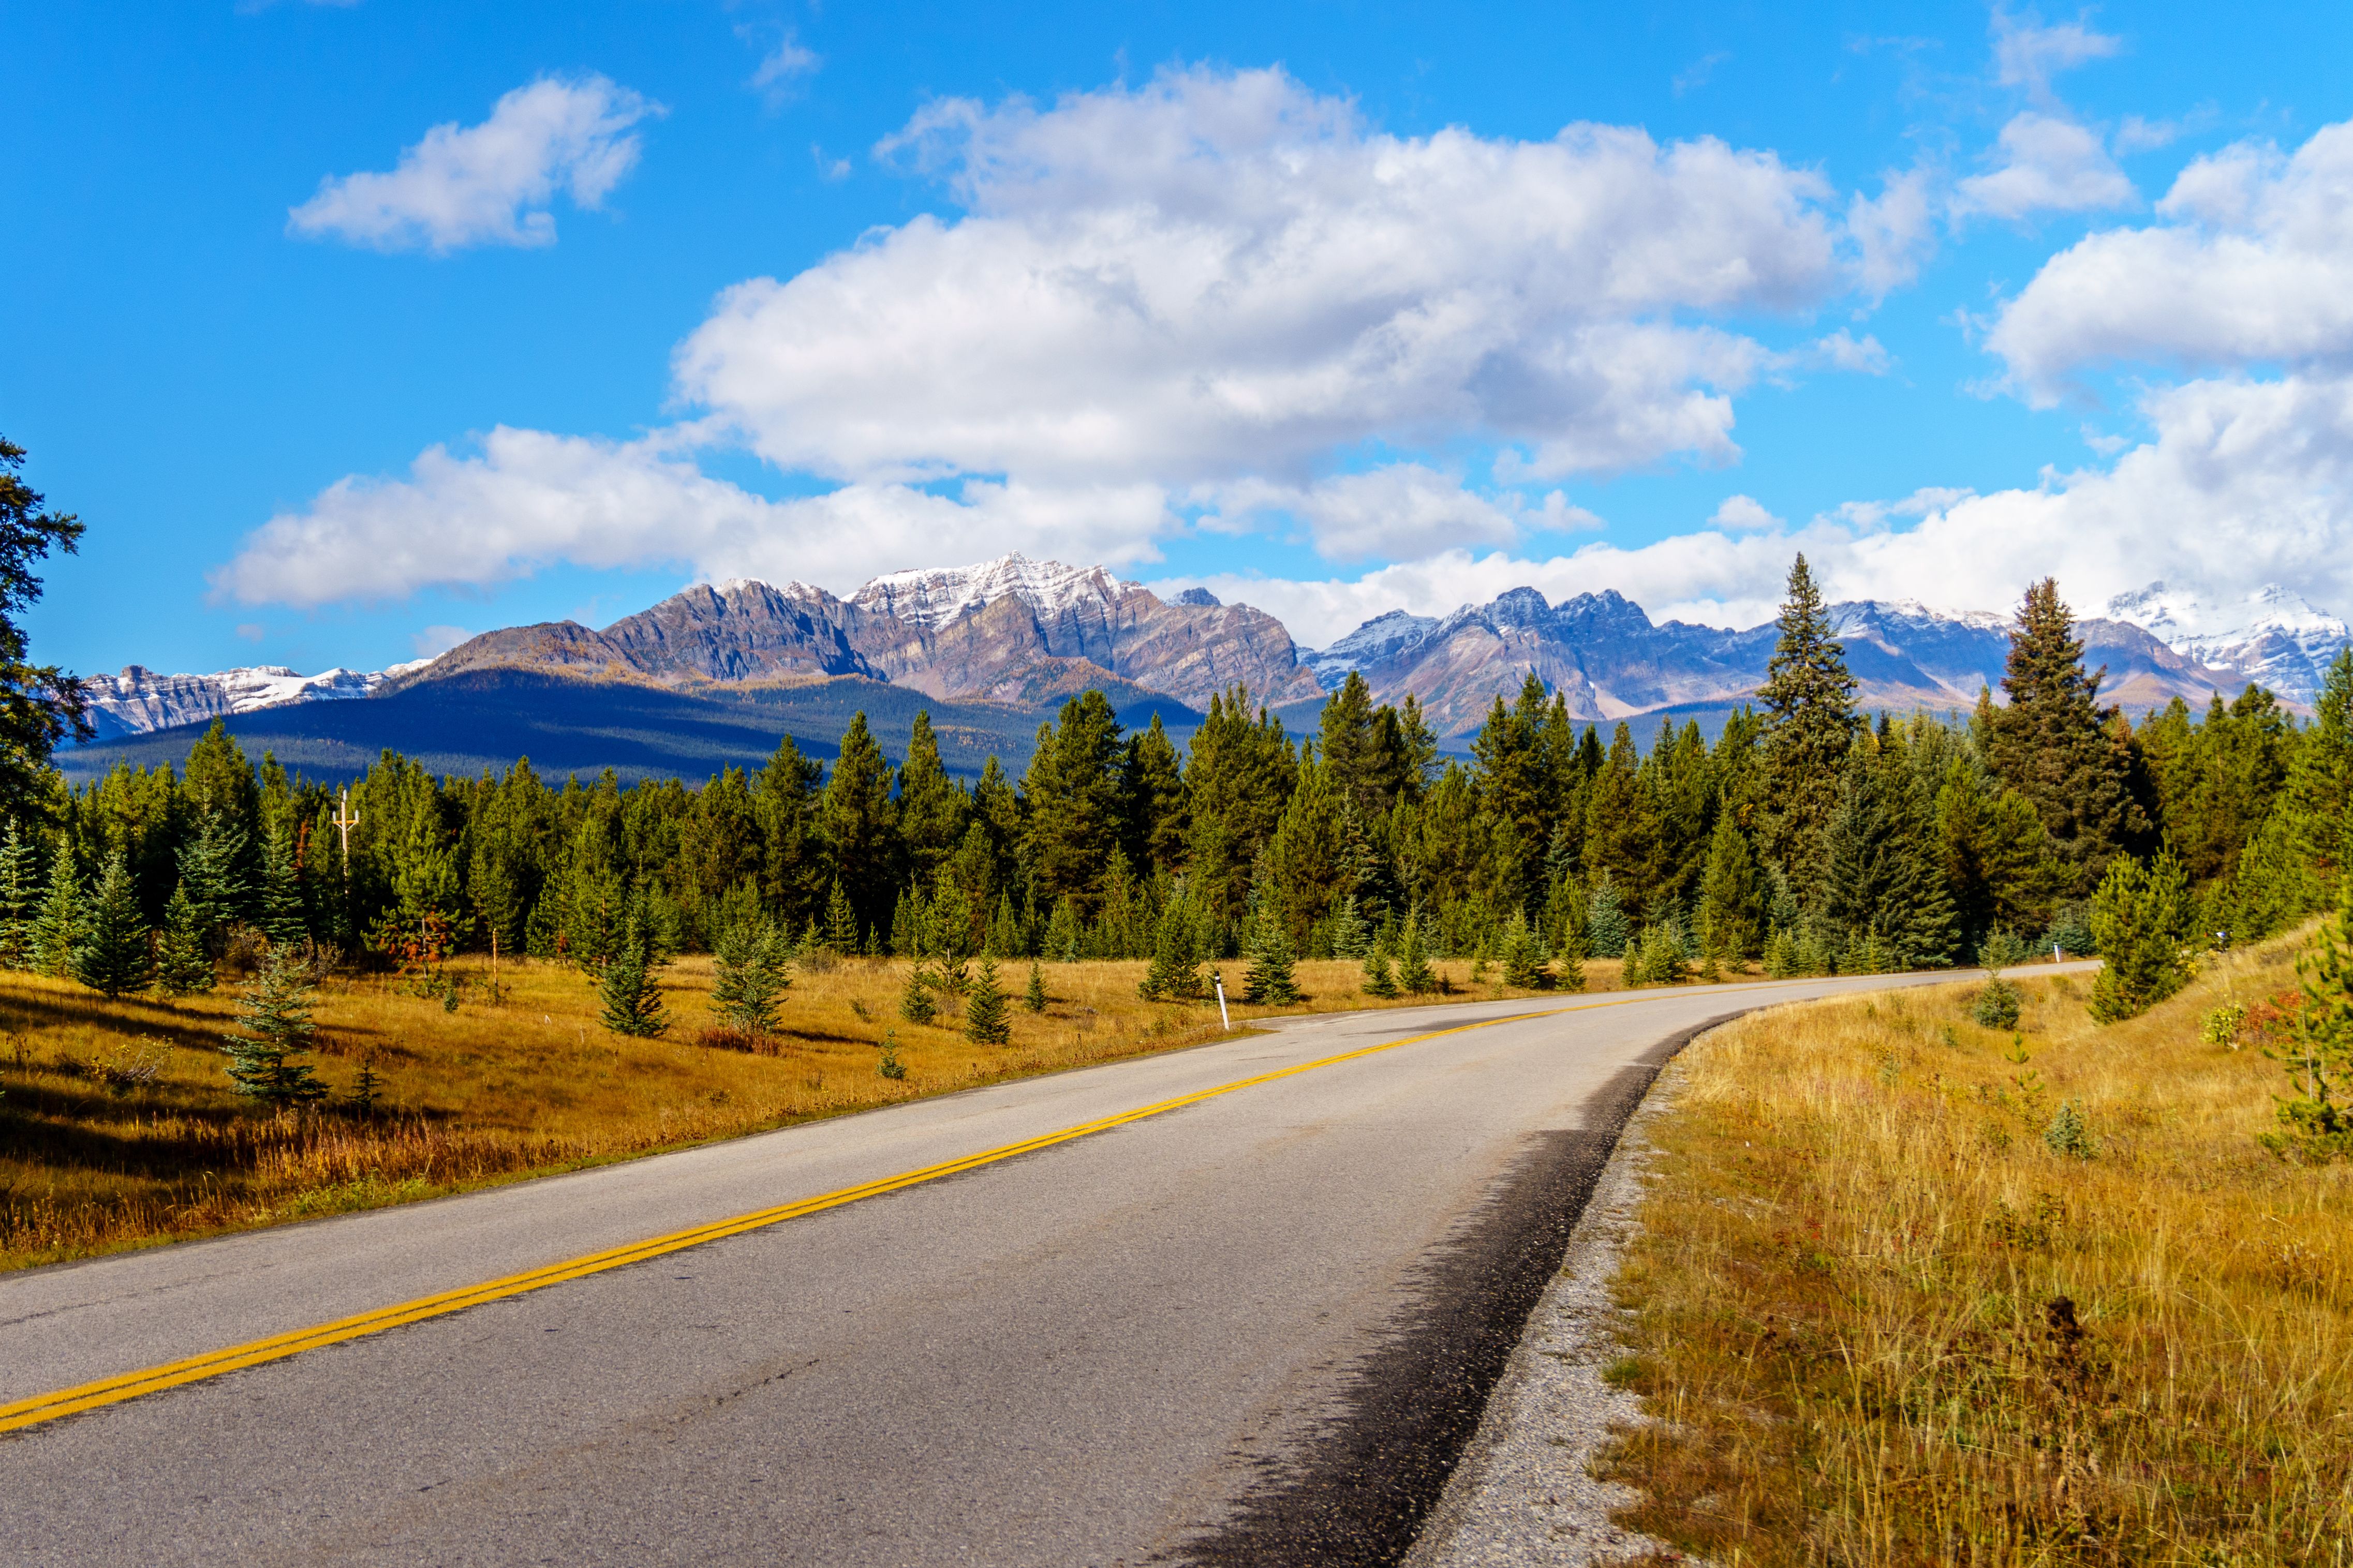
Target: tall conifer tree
2056,745
1809,723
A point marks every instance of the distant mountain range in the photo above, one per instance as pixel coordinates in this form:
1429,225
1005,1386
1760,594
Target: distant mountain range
1014,638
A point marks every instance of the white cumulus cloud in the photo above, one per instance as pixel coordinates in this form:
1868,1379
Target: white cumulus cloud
2250,264
2244,483
2046,163
528,499
1222,274
489,184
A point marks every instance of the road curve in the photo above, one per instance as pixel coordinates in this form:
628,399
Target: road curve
1255,1329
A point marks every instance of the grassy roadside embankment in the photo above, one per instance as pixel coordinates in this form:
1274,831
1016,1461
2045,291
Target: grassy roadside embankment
119,1126
1886,1312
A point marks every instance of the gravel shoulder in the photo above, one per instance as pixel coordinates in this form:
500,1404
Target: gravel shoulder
1522,1496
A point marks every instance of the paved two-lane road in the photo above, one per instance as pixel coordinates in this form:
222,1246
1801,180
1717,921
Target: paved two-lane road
1254,1329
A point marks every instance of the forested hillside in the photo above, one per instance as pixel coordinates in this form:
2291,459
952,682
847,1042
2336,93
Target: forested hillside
1808,835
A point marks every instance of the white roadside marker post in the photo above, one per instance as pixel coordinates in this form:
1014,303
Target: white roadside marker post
1224,1018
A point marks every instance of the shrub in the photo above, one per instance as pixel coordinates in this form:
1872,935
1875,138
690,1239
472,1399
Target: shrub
2219,1026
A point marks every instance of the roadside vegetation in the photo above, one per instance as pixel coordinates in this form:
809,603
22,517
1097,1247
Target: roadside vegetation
124,1124
1911,1289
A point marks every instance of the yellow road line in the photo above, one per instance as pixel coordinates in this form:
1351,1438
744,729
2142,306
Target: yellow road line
43,1408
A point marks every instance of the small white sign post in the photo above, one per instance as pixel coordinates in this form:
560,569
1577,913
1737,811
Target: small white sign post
1224,1017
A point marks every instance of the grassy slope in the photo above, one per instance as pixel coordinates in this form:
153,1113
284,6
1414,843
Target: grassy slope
1881,1322
90,1159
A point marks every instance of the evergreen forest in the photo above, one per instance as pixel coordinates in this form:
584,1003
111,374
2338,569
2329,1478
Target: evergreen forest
1810,837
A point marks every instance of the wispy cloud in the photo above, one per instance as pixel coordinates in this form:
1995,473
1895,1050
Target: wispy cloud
489,184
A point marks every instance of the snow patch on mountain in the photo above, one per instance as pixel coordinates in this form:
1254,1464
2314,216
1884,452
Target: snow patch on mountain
1376,640
931,598
2274,636
139,700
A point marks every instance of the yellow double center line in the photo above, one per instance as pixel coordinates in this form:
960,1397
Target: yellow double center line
278,1347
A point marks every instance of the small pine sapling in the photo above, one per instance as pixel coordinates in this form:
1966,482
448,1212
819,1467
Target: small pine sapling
20,875
1997,1005
890,1066
1522,964
632,999
1415,976
183,967
986,1017
58,928
915,1003
748,976
366,1090
1270,980
1034,996
274,1027
1571,960
112,957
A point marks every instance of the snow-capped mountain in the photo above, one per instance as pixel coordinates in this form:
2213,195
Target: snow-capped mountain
931,598
2274,636
139,700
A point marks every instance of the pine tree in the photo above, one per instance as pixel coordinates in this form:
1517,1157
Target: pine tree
748,977
841,922
57,929
2056,745
1062,931
19,897
274,1026
1379,981
1523,966
1176,970
1351,938
1883,881
1569,958
2140,917
915,1003
1606,927
2317,1122
632,998
1034,996
213,868
988,1020
1415,976
1809,722
1731,897
1269,981
278,911
2320,783
113,957
182,965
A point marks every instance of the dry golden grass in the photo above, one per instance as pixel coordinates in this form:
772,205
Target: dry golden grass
1880,1320
92,1158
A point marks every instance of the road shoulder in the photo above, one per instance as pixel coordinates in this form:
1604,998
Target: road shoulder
1521,1495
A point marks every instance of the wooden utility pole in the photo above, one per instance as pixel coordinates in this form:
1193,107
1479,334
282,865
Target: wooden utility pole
343,821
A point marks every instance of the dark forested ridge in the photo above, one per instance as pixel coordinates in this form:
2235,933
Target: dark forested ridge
489,719
1805,833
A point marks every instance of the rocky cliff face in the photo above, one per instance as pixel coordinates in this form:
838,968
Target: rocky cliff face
1004,629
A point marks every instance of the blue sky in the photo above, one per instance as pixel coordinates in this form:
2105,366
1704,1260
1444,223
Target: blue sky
1319,304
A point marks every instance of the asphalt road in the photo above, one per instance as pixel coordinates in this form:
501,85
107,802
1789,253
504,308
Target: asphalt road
1254,1330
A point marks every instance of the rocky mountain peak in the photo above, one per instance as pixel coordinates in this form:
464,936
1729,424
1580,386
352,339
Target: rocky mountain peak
934,597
